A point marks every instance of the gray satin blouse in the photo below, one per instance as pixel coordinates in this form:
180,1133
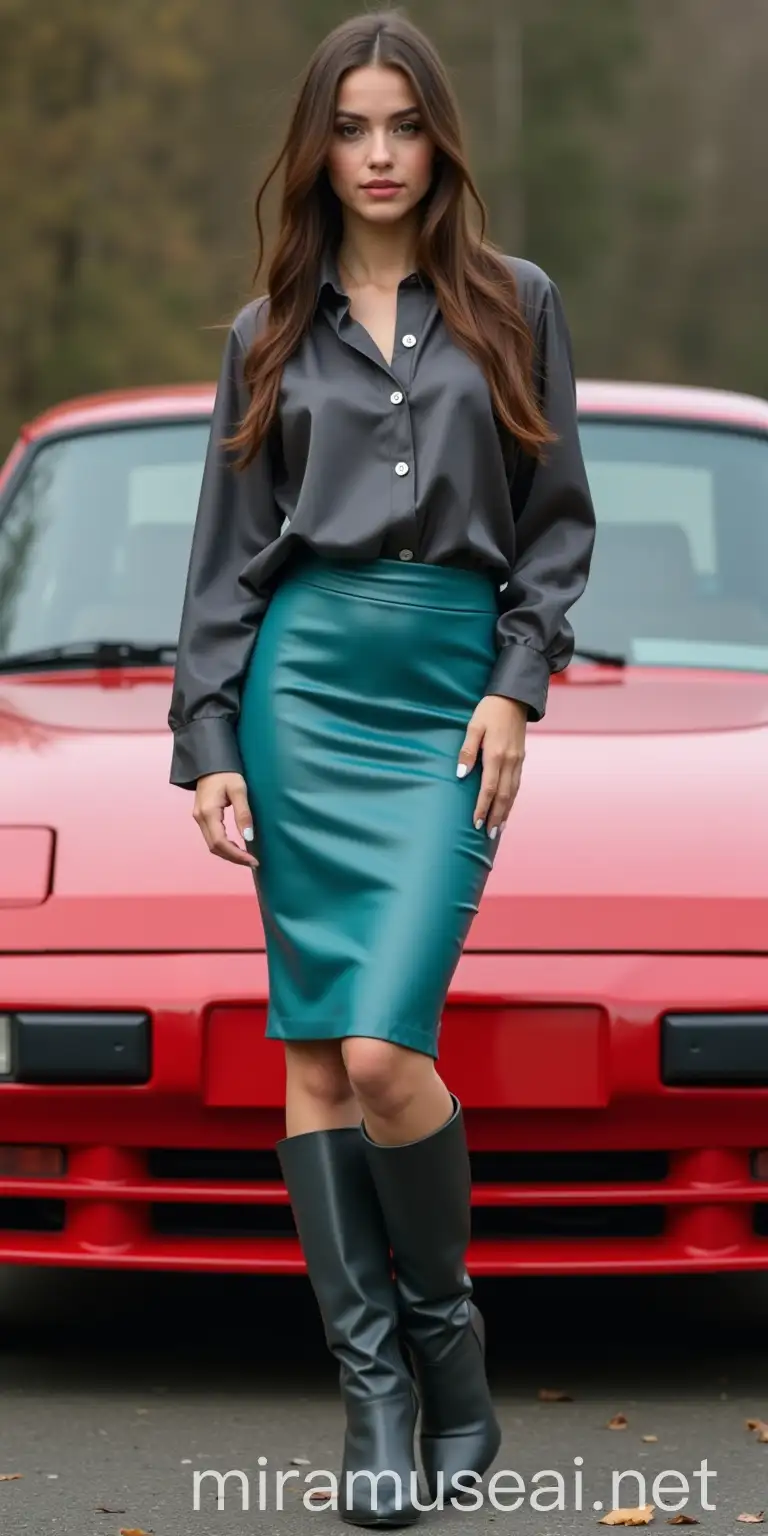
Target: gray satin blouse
366,459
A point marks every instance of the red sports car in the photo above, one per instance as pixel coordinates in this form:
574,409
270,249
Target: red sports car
607,1027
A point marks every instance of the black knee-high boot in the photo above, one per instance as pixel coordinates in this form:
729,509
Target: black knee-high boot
424,1189
346,1250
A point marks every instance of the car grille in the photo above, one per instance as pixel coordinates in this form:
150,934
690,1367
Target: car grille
489,1168
18,1214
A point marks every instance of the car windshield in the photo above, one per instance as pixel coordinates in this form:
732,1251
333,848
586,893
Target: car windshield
679,575
95,539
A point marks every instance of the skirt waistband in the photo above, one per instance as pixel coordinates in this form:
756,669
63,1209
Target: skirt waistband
394,581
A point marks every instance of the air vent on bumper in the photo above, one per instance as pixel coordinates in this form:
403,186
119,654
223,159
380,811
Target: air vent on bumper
714,1050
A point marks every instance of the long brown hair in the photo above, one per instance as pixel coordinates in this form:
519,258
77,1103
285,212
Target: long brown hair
475,289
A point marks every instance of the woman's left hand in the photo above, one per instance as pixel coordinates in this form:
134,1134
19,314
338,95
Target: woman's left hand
498,727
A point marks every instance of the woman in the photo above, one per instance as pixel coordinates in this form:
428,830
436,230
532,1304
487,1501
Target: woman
394,519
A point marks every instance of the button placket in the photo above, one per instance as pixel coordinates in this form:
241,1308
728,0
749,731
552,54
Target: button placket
411,319
409,323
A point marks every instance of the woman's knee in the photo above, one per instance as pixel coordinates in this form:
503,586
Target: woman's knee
383,1075
316,1069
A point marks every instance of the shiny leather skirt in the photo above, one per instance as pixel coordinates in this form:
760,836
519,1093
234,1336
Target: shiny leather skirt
354,707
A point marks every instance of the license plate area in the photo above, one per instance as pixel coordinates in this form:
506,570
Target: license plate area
535,1056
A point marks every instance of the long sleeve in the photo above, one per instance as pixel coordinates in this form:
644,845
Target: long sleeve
555,531
236,519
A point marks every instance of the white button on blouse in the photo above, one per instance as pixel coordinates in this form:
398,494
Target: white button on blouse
409,341
401,468
396,396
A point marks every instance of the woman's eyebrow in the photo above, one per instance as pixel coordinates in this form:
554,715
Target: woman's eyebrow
359,117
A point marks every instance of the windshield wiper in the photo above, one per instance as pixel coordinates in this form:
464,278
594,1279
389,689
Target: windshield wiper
601,658
90,653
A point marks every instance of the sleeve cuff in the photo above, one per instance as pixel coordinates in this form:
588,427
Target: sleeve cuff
207,745
521,673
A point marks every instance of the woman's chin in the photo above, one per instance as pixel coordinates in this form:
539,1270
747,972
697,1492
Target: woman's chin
385,212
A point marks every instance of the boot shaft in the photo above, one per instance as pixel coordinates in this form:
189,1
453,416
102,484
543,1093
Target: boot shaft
346,1249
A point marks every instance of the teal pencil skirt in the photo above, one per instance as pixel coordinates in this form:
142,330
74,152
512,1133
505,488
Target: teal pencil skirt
354,707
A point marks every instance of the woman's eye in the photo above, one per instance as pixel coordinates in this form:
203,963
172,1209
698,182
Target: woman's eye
351,130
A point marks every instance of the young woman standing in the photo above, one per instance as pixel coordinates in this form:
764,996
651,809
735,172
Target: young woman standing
393,523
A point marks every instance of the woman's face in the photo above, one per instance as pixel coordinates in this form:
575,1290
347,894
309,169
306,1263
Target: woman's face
380,159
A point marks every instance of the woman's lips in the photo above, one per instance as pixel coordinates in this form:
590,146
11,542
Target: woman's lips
382,189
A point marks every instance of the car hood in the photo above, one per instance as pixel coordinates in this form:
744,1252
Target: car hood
640,823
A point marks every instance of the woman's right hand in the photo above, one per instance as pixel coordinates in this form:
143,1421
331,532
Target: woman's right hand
214,792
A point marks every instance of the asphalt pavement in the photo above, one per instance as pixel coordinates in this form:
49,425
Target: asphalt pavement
115,1390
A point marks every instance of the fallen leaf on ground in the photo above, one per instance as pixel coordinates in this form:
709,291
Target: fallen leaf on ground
751,1519
762,1429
619,1421
554,1395
637,1516
9,1477
134,1531
649,1438
682,1520
106,1509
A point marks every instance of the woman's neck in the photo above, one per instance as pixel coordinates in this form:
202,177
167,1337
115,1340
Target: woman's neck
379,258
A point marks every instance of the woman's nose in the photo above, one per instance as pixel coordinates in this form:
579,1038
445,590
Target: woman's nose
380,152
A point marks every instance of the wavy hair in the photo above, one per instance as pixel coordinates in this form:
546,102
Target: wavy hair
475,288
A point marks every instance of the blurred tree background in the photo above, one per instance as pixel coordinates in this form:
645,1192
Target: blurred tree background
618,143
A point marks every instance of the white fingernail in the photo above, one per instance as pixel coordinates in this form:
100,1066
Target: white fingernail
492,833
462,771
478,825
248,834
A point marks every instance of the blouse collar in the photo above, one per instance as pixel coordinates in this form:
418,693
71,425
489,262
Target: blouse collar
330,286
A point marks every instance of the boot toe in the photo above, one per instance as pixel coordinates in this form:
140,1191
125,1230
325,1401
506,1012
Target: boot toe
455,1464
379,1467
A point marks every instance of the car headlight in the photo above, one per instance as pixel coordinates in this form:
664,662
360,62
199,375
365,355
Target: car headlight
5,1044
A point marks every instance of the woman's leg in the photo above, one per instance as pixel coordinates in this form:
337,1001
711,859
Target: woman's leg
399,1091
415,1142
346,1250
318,1093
